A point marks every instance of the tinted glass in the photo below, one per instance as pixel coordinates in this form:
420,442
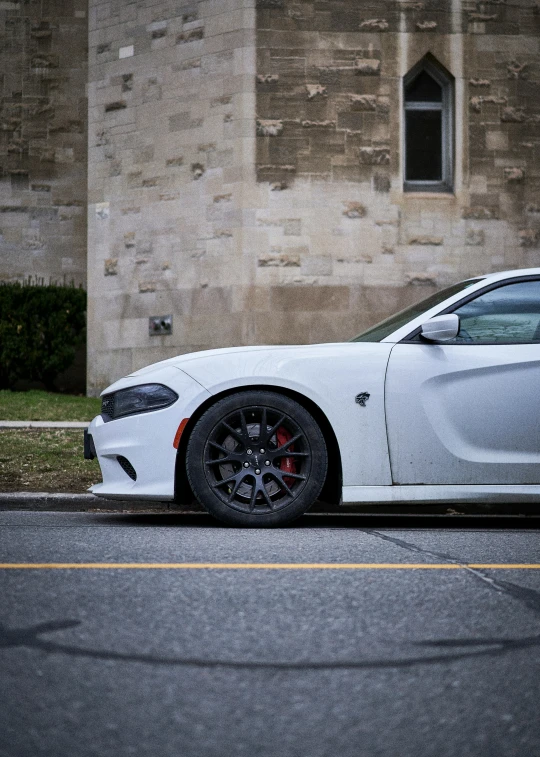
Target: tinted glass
423,89
423,145
509,314
395,322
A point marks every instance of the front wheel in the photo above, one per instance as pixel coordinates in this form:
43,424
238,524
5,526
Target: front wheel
256,458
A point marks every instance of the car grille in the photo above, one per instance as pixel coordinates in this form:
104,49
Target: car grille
127,467
107,407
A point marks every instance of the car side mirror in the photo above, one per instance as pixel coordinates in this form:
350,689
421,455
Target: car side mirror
442,328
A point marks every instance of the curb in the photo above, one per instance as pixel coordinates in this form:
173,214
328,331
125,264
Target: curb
71,502
68,502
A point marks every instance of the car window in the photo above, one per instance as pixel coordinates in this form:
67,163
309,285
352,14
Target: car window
508,314
389,325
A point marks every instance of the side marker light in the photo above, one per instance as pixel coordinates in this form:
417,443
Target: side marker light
179,433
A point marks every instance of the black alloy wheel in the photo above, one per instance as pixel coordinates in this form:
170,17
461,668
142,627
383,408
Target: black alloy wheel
256,458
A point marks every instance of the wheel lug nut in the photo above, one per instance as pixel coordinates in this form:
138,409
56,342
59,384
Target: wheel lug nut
246,465
261,451
267,462
257,471
249,451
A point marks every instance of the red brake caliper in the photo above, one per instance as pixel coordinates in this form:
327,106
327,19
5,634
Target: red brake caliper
287,464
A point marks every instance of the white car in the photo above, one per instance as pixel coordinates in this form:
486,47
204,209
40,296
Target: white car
440,402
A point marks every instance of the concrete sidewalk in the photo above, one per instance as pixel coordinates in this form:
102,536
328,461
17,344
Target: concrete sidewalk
43,424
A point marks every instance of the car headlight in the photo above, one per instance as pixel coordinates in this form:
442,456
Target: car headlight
136,399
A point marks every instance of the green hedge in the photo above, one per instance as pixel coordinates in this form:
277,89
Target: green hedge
40,328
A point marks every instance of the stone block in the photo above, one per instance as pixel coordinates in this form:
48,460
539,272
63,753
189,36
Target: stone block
147,287
189,65
517,70
478,101
64,155
381,183
326,124
374,156
367,67
375,24
281,260
192,35
513,115
529,237
317,265
354,210
212,301
496,140
292,227
267,78
421,278
514,175
480,213
116,105
363,102
309,298
197,170
111,267
475,237
269,127
351,121
426,240
316,91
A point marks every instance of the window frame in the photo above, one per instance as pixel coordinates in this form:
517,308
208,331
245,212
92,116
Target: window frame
446,106
414,336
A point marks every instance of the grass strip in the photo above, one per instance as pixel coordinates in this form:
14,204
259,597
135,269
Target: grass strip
45,460
38,405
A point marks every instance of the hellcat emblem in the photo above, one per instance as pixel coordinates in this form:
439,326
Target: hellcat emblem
362,398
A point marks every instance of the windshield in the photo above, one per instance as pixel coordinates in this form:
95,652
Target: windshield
383,329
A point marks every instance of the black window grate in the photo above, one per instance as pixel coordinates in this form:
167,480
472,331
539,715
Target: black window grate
127,467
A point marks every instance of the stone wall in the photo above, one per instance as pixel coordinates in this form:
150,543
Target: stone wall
43,114
171,172
245,167
337,235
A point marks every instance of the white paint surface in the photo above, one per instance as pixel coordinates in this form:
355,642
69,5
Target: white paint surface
462,419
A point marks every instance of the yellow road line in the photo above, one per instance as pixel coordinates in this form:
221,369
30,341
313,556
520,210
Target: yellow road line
505,566
266,566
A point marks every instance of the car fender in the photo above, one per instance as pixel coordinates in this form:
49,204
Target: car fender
330,375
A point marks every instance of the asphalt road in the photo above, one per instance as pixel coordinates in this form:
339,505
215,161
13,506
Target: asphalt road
264,662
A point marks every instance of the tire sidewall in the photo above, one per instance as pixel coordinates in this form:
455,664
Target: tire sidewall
195,465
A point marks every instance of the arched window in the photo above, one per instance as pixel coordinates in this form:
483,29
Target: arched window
428,120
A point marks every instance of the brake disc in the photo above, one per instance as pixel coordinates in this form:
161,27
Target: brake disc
227,469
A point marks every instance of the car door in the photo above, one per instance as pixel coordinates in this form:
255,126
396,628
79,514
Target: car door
467,411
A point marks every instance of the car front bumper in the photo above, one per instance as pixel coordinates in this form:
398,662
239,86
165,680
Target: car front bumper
136,453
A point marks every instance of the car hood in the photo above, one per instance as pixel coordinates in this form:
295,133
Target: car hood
181,361
239,365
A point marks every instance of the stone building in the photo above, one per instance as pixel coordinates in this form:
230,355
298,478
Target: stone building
278,171
43,140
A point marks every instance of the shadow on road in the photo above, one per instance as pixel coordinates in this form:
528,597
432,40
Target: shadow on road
409,521
442,651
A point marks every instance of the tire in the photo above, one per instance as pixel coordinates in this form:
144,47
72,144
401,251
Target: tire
242,486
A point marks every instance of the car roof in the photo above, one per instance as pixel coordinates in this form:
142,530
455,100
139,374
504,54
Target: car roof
510,274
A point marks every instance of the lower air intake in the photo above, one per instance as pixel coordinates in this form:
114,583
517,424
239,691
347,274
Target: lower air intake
127,467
